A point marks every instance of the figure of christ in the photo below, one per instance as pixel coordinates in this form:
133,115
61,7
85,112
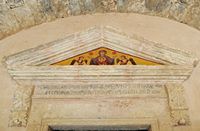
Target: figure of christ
102,59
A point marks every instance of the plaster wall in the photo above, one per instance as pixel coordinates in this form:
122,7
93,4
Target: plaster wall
156,29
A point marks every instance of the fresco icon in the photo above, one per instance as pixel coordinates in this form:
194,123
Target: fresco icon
105,56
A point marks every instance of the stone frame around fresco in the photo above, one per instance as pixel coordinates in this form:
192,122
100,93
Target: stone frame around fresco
31,68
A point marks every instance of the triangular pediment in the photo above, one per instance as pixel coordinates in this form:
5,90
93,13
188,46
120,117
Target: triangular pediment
64,51
41,65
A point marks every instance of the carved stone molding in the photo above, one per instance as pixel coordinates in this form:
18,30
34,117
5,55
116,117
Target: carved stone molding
98,74
180,117
177,104
21,106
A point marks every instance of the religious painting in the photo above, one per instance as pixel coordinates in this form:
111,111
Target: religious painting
102,59
79,61
105,56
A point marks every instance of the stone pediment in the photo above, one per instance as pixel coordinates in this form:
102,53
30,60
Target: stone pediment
44,60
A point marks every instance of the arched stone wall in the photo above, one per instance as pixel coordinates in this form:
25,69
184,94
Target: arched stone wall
15,16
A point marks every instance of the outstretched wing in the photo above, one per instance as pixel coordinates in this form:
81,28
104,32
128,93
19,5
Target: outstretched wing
85,61
73,61
132,61
117,60
92,62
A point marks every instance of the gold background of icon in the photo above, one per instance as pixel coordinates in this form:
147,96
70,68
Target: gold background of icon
116,55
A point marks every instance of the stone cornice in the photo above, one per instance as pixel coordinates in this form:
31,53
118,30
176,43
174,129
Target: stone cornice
132,74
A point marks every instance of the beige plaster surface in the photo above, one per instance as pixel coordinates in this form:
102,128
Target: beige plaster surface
156,29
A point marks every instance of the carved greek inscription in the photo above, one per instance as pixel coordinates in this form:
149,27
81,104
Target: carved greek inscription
115,90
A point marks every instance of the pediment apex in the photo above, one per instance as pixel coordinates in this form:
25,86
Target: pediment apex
96,37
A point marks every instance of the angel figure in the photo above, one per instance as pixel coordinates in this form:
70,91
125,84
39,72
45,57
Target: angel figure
79,61
123,60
